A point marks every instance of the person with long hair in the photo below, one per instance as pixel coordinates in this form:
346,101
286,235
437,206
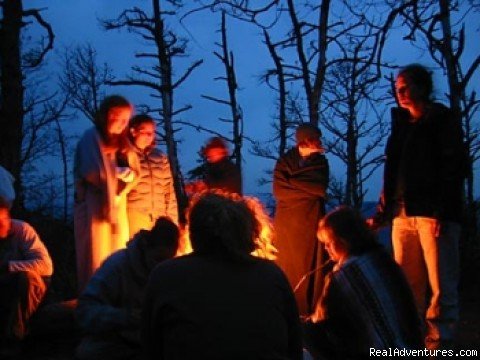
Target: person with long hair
422,193
104,170
220,301
366,301
153,194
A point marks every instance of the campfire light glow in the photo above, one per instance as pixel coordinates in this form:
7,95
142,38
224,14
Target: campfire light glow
265,239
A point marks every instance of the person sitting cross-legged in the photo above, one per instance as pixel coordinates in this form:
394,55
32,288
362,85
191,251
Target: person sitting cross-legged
109,308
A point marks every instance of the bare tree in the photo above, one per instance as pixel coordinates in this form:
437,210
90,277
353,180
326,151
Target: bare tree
158,75
83,79
228,60
353,120
15,60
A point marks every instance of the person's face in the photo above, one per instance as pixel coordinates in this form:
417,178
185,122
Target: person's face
334,247
5,223
117,119
309,148
143,135
408,94
216,154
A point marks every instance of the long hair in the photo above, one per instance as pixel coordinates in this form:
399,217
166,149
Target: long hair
119,141
349,228
222,225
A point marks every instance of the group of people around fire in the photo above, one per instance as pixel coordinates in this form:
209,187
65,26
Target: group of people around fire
332,291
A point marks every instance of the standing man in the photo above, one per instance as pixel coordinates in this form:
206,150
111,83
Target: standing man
24,264
423,179
300,183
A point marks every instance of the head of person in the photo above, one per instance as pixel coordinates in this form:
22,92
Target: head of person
112,119
222,225
414,86
5,219
161,242
308,140
344,233
142,131
215,150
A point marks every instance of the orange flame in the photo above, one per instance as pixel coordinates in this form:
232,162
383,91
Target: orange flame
265,239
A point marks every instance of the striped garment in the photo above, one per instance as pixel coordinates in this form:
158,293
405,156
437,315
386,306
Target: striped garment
366,304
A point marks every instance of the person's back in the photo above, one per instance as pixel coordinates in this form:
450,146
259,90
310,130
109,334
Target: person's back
220,302
213,309
109,309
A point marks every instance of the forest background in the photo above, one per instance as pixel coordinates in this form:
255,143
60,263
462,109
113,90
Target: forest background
248,71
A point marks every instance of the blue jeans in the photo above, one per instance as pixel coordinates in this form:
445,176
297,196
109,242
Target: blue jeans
428,253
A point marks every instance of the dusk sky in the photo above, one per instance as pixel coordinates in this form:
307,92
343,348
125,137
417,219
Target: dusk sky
76,22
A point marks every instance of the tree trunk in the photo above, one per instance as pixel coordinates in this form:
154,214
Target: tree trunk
12,92
167,108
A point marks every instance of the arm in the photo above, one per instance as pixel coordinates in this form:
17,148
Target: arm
134,165
98,309
34,254
453,159
313,180
283,190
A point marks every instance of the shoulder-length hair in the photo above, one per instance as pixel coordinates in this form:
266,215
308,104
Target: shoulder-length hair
101,121
422,78
222,225
348,227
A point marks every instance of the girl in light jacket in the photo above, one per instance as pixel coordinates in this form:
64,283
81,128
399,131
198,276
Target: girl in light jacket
153,194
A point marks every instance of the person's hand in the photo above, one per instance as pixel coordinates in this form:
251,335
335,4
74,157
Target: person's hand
125,174
438,228
370,222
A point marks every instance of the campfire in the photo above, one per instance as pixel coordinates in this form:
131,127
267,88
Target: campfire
265,239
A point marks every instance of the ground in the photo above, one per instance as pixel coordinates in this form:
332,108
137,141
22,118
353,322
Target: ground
54,336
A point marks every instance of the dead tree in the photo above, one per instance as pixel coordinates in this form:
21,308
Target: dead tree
158,75
83,79
14,61
353,121
279,73
311,72
228,60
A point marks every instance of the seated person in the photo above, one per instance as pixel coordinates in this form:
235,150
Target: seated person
109,308
366,302
24,266
220,302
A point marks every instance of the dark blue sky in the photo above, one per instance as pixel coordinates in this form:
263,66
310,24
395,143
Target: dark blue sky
75,22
